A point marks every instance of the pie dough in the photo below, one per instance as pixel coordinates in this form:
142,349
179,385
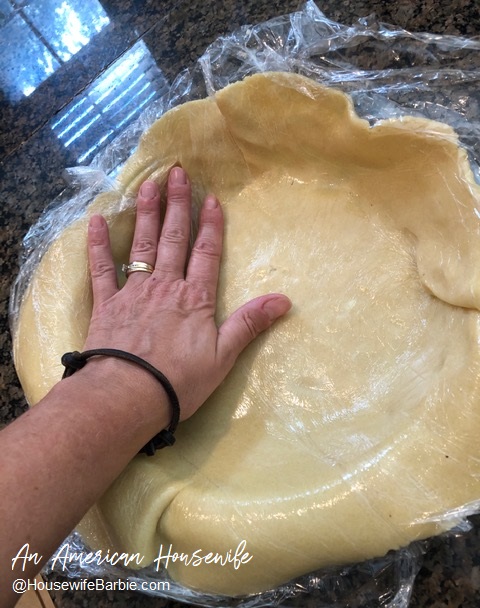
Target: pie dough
352,426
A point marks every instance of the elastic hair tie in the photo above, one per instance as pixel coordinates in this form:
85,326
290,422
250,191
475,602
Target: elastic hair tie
75,361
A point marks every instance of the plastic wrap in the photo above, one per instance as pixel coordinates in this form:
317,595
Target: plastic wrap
389,74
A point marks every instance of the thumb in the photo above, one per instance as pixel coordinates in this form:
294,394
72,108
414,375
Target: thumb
247,322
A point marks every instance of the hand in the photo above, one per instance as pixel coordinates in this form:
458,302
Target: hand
167,317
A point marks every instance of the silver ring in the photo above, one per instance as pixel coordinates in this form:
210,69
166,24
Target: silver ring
137,267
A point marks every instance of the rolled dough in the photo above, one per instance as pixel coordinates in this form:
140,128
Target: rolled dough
351,427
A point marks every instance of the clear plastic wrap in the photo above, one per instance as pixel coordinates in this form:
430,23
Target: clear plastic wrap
389,74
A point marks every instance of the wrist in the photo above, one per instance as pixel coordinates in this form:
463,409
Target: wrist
124,392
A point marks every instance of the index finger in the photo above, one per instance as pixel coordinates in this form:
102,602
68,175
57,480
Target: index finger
204,264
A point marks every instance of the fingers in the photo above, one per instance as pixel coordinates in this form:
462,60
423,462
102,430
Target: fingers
173,246
102,268
247,322
204,263
147,227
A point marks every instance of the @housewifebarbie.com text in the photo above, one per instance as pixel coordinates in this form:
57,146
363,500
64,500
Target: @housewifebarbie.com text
65,556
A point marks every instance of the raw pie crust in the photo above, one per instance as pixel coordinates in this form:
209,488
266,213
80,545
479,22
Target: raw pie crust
351,427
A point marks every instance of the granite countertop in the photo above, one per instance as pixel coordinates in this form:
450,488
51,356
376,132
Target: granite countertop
36,146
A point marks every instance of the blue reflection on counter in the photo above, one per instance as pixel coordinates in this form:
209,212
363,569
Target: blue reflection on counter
67,25
110,103
38,38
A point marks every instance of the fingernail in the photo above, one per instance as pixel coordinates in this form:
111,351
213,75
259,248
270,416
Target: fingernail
96,222
178,176
211,202
276,307
149,189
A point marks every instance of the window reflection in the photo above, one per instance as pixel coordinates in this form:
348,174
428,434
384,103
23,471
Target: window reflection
23,66
38,38
67,25
110,103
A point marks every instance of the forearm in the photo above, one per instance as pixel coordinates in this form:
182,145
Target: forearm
59,457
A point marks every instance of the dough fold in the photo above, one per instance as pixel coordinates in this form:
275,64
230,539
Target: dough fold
351,427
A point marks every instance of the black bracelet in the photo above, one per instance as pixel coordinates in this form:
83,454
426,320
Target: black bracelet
75,361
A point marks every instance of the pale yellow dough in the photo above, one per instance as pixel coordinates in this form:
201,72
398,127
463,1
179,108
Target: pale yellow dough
350,428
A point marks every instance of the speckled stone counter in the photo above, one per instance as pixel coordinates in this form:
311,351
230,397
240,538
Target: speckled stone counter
35,150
